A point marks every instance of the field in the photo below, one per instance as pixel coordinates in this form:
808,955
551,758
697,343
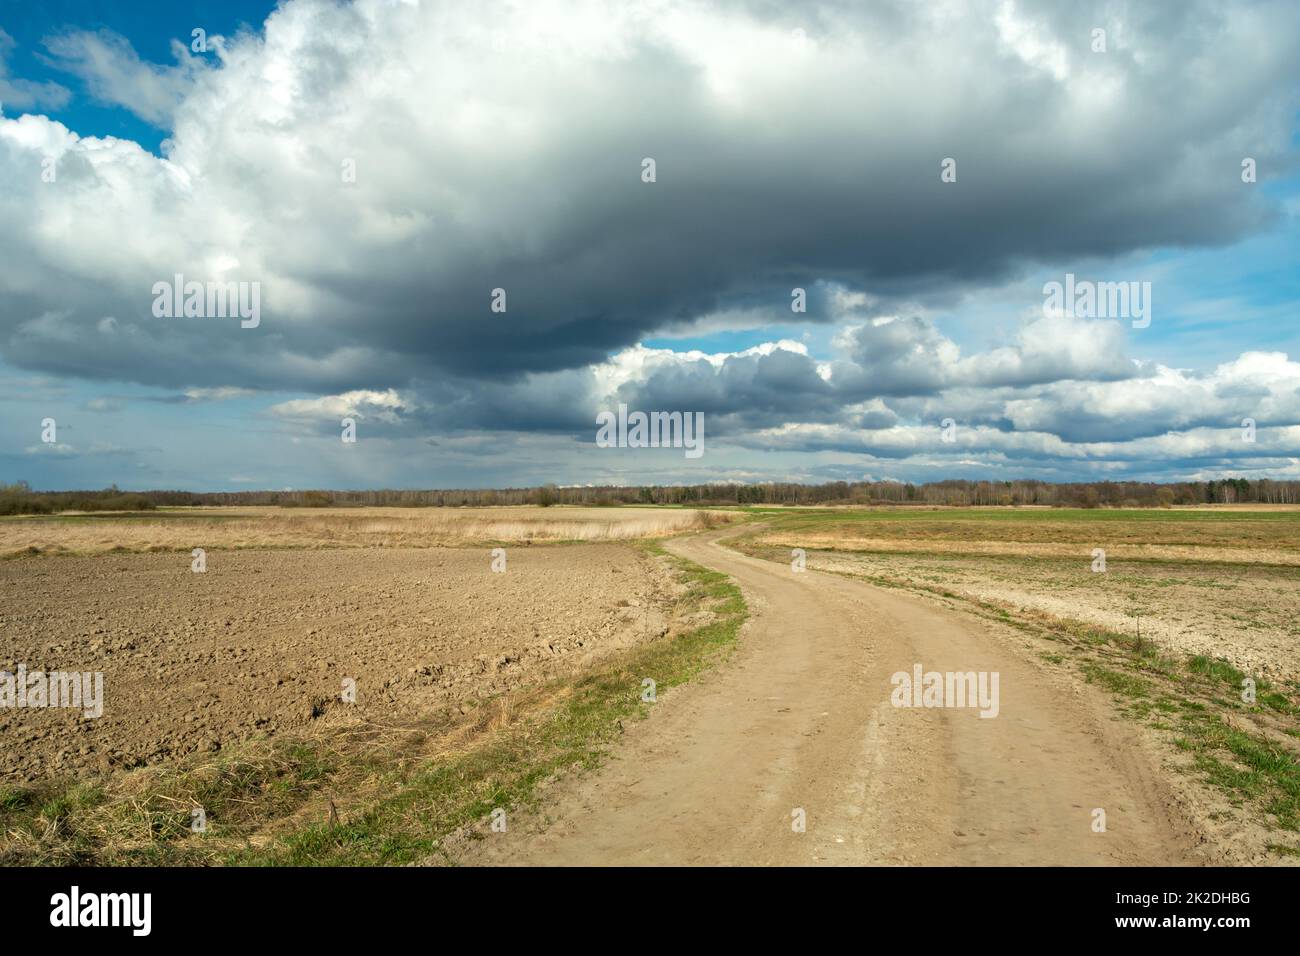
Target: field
246,664
262,642
225,691
183,529
1220,582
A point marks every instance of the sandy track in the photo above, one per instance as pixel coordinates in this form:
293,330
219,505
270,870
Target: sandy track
801,718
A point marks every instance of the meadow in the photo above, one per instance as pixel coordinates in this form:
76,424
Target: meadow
182,529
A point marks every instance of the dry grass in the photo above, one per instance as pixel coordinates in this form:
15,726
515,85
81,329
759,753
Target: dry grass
1257,534
1215,581
182,529
1042,549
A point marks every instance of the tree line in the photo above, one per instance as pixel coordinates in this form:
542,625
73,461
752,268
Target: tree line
20,499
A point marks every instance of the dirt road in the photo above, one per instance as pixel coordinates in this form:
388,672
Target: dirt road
801,720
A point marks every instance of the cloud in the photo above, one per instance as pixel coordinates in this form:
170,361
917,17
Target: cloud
494,147
18,94
114,73
501,146
909,356
779,382
1263,386
61,449
386,406
222,394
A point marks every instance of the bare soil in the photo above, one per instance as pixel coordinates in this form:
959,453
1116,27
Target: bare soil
260,644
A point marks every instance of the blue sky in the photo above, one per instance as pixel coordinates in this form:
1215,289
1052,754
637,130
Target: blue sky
151,26
504,148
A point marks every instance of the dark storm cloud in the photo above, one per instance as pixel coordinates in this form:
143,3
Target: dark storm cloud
494,152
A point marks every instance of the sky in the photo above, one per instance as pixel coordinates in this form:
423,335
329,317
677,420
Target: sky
829,230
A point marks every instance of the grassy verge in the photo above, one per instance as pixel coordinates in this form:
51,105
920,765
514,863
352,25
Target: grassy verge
370,796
